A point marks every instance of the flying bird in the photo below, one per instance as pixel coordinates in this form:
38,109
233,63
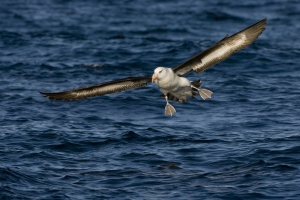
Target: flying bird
170,80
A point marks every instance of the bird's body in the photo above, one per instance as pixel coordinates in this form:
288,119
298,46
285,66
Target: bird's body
171,81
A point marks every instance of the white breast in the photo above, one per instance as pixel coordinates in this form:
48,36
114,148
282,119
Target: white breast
172,83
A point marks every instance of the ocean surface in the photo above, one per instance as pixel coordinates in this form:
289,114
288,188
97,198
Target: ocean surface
244,143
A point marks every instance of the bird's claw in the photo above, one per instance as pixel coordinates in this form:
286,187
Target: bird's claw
204,93
169,110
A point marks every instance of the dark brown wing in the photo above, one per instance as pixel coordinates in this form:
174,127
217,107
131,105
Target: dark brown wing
100,89
221,50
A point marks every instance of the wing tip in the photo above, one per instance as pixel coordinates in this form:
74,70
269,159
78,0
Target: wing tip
44,94
55,96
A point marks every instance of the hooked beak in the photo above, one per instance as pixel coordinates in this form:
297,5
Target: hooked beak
154,77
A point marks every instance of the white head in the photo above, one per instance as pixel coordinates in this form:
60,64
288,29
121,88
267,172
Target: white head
159,73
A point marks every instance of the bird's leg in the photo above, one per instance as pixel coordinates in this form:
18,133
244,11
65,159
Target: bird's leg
204,93
169,109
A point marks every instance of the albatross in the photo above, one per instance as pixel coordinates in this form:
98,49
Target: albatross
174,86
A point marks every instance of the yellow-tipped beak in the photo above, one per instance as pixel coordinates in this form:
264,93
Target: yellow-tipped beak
154,77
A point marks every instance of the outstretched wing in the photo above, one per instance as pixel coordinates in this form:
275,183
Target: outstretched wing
221,50
100,89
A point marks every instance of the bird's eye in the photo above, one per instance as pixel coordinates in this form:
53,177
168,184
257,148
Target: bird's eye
160,71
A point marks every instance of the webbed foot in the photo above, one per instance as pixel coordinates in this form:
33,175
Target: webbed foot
204,93
169,110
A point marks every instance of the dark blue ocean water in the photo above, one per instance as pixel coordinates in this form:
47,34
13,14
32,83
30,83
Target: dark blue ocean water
244,143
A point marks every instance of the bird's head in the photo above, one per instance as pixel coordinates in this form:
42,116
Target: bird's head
159,73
